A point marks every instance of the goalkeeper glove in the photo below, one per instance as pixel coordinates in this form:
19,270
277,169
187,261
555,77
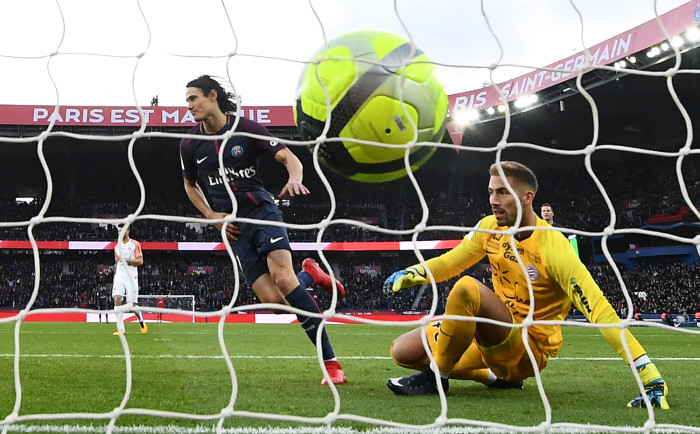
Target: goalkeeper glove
411,276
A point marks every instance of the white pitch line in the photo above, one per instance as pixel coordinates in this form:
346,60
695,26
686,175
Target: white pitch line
192,356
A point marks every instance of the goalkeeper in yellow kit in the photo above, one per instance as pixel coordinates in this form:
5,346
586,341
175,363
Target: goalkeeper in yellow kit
492,353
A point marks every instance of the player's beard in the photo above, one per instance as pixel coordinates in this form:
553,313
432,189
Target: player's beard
502,217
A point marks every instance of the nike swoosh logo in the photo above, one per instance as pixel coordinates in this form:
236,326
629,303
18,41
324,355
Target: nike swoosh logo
395,381
274,240
199,160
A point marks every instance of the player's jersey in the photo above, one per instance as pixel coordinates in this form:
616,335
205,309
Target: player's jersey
557,275
241,161
129,250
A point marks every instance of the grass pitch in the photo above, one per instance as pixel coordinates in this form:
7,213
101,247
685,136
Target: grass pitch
178,371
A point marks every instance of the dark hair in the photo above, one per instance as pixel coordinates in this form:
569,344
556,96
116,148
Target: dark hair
206,84
545,204
517,171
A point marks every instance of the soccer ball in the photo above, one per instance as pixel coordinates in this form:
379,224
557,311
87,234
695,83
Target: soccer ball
371,101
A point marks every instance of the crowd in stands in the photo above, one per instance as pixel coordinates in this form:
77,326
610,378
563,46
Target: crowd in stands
383,212
75,279
394,207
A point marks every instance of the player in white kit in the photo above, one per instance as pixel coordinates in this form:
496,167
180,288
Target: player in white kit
127,257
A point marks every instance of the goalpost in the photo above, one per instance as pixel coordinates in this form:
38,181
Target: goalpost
492,97
179,302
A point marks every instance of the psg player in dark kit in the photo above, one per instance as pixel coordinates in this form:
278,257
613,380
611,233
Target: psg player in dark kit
264,251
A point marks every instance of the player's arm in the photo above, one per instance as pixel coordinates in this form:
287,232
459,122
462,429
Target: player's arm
295,169
196,196
138,255
443,267
587,296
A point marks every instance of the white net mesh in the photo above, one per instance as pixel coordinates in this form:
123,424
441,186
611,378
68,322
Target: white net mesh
151,51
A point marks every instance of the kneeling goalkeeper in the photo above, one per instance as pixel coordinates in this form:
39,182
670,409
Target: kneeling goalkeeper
467,349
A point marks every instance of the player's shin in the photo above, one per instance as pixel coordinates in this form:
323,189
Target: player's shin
301,299
456,335
120,321
139,317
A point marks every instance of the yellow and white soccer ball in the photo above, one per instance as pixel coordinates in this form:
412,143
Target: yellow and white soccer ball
373,91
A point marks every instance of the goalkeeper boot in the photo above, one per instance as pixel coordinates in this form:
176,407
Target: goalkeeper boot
506,384
321,278
119,332
656,391
421,383
335,372
144,327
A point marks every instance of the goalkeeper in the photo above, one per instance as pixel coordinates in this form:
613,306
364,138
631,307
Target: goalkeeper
468,349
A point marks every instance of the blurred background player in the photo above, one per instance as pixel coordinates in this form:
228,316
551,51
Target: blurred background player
128,256
160,304
103,303
263,251
558,279
547,214
667,319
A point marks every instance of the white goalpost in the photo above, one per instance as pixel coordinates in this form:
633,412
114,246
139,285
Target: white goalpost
184,303
148,50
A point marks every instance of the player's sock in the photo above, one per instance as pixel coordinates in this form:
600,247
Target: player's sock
306,280
301,299
120,321
140,317
142,323
482,375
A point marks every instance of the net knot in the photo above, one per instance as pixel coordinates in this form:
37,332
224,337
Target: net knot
226,412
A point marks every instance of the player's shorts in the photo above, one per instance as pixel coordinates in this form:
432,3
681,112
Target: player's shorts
508,361
123,288
256,240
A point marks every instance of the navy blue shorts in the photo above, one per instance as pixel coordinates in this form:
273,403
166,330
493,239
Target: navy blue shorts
257,240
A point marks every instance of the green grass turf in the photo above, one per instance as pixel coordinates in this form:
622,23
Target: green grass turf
76,367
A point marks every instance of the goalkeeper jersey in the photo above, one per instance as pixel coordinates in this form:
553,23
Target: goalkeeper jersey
557,275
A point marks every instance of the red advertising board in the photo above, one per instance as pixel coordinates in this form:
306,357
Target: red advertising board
128,116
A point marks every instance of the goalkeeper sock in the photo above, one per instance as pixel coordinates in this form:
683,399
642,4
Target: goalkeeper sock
647,370
301,299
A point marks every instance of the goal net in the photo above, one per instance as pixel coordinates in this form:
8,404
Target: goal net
183,304
599,101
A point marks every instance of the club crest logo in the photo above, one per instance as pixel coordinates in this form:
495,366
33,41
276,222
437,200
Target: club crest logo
237,151
696,13
532,272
